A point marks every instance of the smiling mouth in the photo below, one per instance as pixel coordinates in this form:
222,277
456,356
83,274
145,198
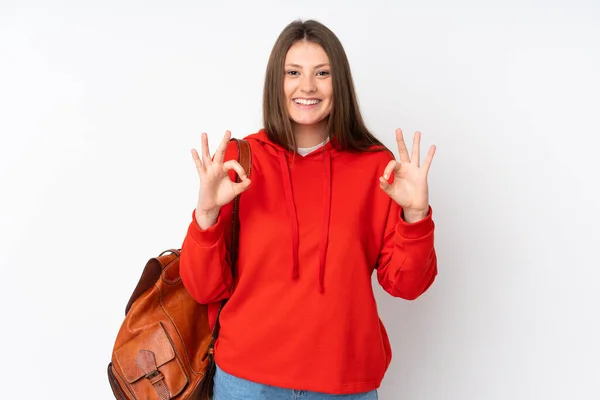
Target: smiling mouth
306,102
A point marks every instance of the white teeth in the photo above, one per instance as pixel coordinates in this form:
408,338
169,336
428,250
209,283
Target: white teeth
306,102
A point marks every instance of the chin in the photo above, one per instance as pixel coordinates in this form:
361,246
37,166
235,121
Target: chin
307,121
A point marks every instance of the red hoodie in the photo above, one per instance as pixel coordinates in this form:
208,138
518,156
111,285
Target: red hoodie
312,230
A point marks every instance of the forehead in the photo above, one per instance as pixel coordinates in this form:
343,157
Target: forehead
306,53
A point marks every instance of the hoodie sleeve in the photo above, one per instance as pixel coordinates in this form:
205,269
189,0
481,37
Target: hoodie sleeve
407,264
205,263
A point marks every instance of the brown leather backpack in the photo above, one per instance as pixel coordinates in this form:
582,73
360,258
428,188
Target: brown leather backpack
164,348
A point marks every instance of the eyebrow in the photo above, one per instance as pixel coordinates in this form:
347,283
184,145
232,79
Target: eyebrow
299,66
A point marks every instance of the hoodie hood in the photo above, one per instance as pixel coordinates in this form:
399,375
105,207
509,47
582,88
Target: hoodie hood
286,157
275,149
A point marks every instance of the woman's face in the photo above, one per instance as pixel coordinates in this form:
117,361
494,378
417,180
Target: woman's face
307,83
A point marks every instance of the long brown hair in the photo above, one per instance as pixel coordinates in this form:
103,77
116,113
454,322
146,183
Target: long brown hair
345,123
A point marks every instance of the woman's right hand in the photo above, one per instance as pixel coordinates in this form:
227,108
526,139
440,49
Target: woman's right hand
216,188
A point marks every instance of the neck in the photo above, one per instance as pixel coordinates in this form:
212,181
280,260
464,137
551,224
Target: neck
310,135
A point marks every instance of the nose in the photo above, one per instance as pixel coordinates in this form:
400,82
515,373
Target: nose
308,84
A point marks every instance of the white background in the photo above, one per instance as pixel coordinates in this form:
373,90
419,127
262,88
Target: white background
101,102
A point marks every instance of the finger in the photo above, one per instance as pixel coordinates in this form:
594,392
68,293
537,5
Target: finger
242,186
429,158
402,150
416,150
384,185
198,161
220,153
205,151
234,165
390,168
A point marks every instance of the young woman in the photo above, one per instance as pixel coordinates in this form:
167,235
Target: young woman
324,206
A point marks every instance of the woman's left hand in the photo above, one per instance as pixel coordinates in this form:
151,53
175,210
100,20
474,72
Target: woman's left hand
409,187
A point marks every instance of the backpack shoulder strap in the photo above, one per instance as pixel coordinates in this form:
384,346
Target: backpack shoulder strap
245,160
244,155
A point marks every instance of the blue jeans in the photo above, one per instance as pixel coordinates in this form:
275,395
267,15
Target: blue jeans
229,387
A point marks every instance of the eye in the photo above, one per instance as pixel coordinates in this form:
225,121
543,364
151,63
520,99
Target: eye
323,73
292,72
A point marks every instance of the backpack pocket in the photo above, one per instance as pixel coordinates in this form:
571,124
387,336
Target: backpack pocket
150,366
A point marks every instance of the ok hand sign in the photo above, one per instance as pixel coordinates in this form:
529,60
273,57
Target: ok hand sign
216,188
409,187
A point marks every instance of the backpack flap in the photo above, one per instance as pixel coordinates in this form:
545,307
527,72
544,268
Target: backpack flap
149,365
